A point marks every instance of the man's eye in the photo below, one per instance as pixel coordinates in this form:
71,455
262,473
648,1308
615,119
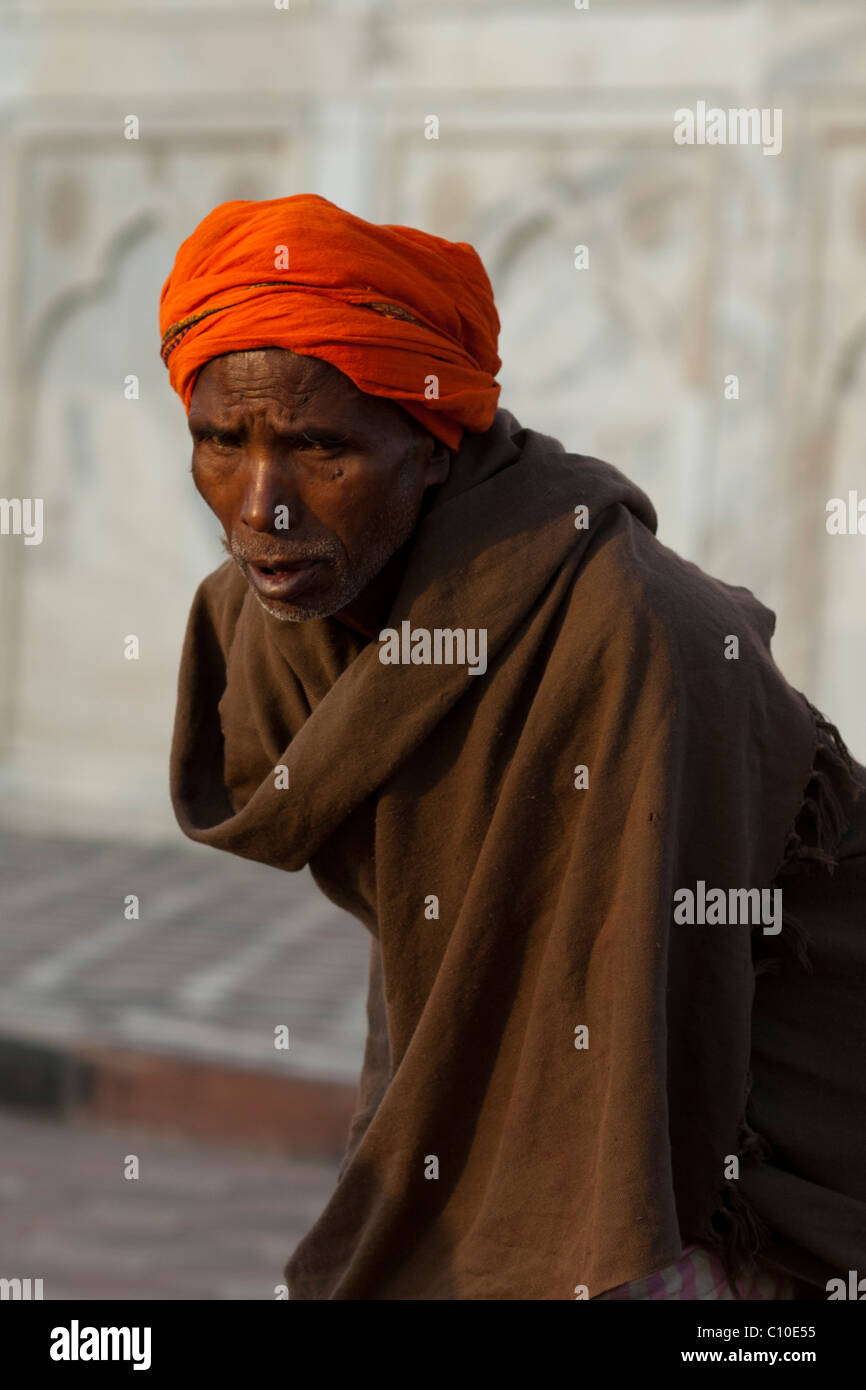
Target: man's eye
217,439
321,444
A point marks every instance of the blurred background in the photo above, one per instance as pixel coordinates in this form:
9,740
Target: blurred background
153,1036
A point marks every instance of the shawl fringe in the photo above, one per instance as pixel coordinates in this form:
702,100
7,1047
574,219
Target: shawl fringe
822,820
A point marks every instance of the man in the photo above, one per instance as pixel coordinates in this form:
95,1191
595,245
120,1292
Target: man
548,764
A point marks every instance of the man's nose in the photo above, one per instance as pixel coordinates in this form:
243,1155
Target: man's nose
270,500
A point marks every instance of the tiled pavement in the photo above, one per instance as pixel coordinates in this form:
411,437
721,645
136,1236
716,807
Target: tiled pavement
200,1222
224,952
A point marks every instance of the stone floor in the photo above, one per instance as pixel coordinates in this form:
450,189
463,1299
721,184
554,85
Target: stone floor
224,952
200,1221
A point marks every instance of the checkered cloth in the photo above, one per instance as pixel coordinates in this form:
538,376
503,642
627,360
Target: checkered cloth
700,1275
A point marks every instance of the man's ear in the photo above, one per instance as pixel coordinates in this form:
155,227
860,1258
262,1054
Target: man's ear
435,458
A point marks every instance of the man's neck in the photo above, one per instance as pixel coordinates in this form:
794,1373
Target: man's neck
367,612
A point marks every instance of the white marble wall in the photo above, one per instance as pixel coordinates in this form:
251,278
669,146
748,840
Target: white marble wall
555,129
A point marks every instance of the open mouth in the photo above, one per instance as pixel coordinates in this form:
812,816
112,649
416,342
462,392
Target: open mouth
280,579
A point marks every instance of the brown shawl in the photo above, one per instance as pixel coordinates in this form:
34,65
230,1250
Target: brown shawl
559,1165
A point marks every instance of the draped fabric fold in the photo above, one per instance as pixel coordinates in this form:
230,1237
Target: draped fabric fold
565,1159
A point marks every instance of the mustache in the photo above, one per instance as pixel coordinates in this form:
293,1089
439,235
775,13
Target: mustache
269,555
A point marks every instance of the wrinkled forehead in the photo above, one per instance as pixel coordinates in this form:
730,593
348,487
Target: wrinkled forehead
275,368
236,383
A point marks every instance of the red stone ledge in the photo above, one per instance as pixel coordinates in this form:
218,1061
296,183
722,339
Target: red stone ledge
207,1100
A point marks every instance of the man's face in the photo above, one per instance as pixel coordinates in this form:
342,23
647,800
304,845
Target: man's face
278,436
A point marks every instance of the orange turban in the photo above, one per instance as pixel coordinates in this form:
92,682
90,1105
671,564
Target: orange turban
402,314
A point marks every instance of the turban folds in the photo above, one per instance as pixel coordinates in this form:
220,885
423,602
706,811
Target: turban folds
403,314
